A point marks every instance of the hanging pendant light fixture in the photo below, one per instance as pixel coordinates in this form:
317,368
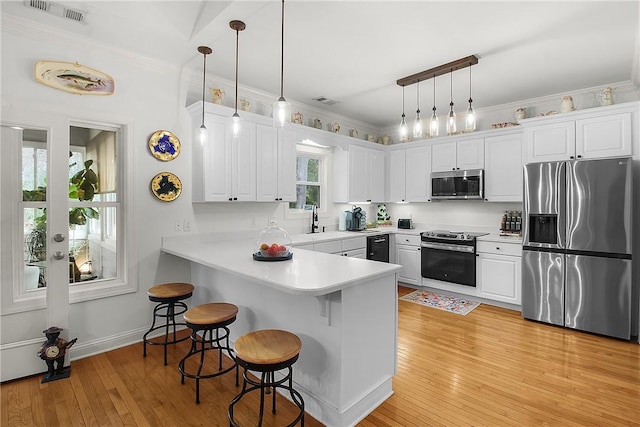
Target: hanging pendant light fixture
451,117
471,114
237,26
404,131
281,108
418,132
204,50
434,123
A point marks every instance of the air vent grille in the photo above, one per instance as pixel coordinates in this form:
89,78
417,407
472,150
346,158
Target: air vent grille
324,100
57,9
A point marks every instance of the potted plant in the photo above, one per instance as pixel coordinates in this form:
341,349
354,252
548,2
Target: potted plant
82,186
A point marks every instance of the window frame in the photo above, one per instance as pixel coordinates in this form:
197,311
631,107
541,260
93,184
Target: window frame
23,300
324,157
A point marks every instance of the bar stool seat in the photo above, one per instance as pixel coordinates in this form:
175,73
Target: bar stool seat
213,320
267,351
170,297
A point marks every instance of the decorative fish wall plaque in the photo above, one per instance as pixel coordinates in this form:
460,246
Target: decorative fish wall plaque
73,78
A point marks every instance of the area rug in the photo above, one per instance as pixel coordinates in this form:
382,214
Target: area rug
441,302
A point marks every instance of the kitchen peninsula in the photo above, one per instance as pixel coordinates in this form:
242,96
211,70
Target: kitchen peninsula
343,309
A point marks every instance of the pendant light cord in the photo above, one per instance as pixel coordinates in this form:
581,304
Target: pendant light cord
236,102
282,55
451,87
470,100
204,73
418,96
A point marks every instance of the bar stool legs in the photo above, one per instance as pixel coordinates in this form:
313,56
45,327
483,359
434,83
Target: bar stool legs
212,321
170,298
267,352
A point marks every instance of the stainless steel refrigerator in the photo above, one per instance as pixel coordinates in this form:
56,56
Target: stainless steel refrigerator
576,259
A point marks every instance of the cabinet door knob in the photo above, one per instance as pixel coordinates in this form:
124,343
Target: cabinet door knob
571,157
497,248
230,199
235,198
579,156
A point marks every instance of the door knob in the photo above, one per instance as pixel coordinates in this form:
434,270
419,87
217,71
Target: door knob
58,238
58,255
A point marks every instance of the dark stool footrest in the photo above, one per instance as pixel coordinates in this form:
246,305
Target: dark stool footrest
218,343
167,310
266,384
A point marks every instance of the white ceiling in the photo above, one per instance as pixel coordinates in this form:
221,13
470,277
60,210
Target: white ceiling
354,51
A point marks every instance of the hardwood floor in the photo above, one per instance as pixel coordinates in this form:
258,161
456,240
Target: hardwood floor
489,368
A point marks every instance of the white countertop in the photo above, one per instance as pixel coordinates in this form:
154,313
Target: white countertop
309,273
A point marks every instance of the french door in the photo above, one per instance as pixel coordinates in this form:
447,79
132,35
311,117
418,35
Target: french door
60,217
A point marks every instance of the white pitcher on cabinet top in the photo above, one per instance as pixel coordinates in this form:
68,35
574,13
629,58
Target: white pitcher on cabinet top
606,96
567,104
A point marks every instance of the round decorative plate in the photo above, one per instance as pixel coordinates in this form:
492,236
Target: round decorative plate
164,145
166,186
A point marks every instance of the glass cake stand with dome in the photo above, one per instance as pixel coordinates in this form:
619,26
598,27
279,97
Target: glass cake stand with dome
273,244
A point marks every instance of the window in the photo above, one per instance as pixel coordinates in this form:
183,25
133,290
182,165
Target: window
310,180
38,175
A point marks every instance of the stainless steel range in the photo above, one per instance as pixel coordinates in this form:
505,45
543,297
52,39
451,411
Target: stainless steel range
449,256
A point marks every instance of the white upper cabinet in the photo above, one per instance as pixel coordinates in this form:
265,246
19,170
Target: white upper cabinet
259,166
550,142
276,169
224,170
410,174
397,176
418,174
503,173
587,135
608,136
358,174
460,155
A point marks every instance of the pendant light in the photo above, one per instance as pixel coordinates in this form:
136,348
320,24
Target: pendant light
451,117
281,108
471,114
418,132
404,131
237,26
204,50
434,123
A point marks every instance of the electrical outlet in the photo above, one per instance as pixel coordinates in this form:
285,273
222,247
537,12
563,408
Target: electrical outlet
178,226
252,222
187,225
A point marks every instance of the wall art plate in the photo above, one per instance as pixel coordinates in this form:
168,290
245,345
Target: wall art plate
164,145
166,186
73,78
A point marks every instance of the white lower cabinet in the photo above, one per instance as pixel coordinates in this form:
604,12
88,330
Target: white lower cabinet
498,271
408,256
351,247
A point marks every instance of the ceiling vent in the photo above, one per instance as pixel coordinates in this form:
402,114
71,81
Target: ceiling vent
57,9
324,100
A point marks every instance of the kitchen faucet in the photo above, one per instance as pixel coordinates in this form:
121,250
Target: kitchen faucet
314,219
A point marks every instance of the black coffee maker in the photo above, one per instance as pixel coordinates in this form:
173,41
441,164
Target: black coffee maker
356,219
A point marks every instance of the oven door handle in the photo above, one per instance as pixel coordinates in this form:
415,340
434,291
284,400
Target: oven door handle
445,247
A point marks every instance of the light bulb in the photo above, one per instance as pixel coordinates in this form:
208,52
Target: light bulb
235,125
404,131
470,119
451,121
434,124
281,112
418,132
203,134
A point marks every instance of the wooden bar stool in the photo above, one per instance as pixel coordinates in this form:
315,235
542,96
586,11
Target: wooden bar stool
267,351
170,298
212,319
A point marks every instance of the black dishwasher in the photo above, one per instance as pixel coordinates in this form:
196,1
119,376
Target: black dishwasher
378,248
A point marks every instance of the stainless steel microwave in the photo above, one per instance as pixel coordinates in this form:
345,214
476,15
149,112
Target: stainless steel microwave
458,185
